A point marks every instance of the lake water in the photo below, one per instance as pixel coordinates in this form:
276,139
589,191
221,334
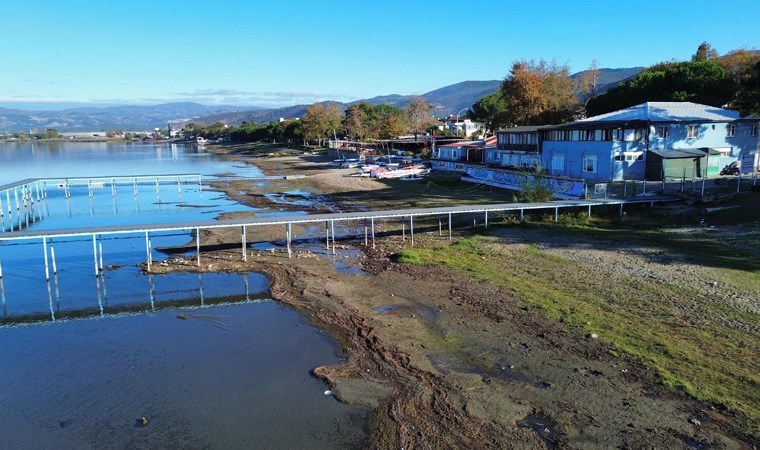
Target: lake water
84,357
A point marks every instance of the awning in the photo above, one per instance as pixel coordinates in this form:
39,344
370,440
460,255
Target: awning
679,153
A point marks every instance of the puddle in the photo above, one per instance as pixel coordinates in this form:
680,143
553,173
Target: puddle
502,370
294,198
426,312
543,426
694,444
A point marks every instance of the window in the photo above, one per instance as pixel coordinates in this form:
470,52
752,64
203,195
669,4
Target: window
731,131
754,129
618,157
589,163
662,132
692,131
632,135
558,162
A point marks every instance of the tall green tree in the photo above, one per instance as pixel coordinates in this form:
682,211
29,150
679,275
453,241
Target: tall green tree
354,123
696,81
491,111
748,95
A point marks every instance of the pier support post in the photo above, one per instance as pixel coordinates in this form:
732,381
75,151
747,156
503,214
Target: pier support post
1,270
52,258
589,211
449,226
244,244
95,256
620,212
289,232
403,229
366,232
522,215
147,249
332,231
440,227
44,249
198,246
485,222
372,221
411,229
327,235
100,248
556,213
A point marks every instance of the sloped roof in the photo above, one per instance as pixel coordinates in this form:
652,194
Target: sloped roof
667,112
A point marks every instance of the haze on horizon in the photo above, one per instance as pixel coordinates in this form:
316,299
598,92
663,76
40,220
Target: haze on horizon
272,55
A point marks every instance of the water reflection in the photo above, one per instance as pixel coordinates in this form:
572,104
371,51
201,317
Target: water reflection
175,291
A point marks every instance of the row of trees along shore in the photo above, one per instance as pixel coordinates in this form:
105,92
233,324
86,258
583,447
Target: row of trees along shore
322,121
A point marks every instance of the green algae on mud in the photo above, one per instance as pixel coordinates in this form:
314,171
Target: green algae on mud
706,349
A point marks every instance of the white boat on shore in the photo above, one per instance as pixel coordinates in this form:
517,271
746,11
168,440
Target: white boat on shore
400,173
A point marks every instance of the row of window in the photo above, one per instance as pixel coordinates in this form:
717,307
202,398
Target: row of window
617,134
628,135
589,161
517,138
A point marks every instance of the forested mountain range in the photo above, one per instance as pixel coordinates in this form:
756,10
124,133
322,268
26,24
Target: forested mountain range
445,101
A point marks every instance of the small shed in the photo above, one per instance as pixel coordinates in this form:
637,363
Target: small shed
682,163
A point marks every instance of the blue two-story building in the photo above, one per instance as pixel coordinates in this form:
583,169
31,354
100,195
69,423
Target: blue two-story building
645,142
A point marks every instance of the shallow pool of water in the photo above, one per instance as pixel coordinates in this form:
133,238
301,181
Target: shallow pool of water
232,376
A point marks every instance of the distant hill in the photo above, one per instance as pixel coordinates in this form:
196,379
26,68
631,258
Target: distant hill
444,101
609,78
128,117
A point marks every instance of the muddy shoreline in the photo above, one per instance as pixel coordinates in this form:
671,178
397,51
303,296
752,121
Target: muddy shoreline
445,361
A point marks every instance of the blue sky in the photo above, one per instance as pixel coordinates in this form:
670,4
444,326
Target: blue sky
284,53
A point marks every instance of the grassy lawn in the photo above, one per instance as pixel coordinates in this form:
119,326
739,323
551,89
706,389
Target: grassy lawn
701,346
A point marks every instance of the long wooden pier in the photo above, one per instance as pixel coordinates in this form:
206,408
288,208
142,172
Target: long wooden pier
369,217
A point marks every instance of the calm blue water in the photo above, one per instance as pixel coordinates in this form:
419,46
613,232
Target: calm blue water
83,357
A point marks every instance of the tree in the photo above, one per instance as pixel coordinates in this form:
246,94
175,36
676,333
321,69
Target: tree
748,96
696,81
705,52
491,111
332,120
391,126
293,131
354,123
315,123
588,83
418,114
538,93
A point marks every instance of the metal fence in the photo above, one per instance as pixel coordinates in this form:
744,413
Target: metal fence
702,188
